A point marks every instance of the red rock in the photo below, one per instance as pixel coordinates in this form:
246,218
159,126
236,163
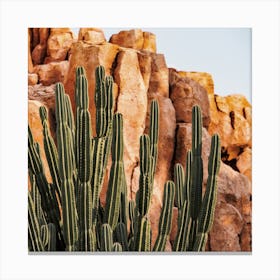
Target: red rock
40,50
32,79
92,35
185,93
52,73
159,82
59,43
132,104
135,39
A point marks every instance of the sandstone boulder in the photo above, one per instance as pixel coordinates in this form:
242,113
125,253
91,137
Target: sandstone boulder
92,35
233,211
135,39
132,104
52,72
185,93
59,43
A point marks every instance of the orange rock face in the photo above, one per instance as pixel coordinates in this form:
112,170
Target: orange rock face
232,122
135,39
185,93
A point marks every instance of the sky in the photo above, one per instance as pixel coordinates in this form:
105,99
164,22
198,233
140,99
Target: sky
225,53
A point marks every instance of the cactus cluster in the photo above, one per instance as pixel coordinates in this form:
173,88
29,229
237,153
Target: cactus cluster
66,214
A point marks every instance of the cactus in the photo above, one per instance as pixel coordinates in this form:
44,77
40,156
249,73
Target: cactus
179,181
106,238
50,150
49,203
154,133
113,198
77,165
165,217
196,216
48,237
34,237
70,223
101,143
206,214
143,239
146,166
84,164
121,236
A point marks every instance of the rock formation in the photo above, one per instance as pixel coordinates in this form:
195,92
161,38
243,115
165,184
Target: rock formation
140,75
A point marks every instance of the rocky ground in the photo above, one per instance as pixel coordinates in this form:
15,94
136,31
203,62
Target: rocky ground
140,75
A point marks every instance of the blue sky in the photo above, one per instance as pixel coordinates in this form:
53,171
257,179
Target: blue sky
223,52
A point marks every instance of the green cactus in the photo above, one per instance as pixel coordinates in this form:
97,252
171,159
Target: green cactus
106,238
165,217
154,133
179,181
146,166
143,239
70,223
48,237
47,192
206,214
35,242
113,198
196,216
102,142
121,236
